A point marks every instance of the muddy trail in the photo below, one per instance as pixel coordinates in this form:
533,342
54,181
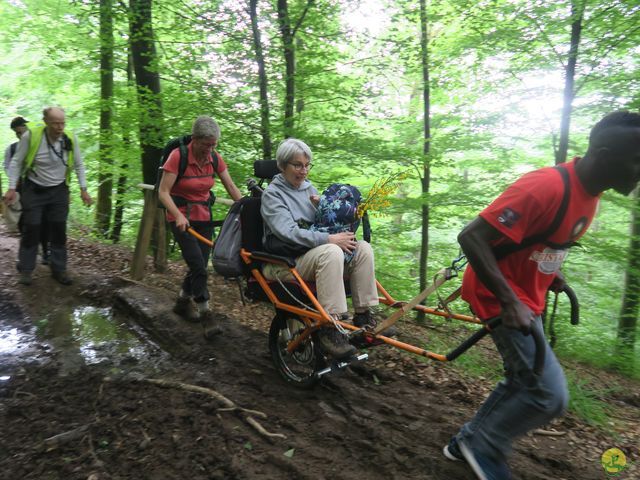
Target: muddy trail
100,380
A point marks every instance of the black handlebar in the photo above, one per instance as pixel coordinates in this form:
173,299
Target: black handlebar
536,333
575,305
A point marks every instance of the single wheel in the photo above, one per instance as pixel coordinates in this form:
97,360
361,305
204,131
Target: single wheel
300,366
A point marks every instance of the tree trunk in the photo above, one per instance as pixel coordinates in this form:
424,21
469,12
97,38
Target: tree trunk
290,66
631,293
577,12
426,173
105,176
262,80
143,52
122,177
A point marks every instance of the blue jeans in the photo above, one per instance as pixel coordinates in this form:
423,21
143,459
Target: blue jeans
521,402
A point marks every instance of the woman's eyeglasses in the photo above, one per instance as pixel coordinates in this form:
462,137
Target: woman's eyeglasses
299,166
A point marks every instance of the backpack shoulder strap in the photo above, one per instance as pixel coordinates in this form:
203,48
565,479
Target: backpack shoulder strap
216,160
502,251
184,154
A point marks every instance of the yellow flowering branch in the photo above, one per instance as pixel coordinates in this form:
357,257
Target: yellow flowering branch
377,198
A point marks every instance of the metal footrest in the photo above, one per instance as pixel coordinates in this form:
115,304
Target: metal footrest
340,365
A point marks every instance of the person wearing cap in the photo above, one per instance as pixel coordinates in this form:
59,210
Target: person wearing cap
44,159
12,213
516,247
19,126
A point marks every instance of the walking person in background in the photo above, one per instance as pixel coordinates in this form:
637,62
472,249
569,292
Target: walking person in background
43,161
515,249
19,127
188,201
13,212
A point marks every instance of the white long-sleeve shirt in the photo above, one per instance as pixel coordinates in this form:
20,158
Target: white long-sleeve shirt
48,169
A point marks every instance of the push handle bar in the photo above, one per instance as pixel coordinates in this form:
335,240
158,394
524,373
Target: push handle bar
575,305
536,333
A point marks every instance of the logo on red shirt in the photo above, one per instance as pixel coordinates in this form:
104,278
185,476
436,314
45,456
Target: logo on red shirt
508,217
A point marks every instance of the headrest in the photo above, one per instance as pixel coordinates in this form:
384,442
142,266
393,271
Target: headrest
265,169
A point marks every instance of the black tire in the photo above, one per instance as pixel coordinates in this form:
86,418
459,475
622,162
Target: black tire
300,367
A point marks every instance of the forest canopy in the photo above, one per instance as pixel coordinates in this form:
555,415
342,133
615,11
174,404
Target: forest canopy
460,97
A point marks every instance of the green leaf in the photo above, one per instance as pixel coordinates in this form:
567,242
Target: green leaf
248,446
289,453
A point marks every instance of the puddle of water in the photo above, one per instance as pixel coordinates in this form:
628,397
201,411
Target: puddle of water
10,340
94,334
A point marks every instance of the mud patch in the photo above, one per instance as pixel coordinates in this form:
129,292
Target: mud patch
388,418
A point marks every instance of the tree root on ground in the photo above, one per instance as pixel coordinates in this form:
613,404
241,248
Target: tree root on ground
228,405
548,433
54,442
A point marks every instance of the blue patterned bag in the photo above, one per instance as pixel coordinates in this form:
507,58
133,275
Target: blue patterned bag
338,211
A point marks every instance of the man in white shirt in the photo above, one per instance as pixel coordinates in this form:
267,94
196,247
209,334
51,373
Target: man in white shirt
45,156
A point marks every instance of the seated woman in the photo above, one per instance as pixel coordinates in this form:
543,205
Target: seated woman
288,209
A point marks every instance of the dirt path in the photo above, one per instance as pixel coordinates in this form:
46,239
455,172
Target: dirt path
386,419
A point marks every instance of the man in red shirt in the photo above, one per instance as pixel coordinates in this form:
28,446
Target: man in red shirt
187,200
515,248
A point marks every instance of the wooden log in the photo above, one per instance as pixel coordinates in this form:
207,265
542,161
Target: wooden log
160,260
144,234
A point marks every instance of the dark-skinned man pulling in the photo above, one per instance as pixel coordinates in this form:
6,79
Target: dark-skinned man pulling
515,249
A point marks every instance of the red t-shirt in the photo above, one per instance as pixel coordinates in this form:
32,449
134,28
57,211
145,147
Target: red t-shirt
527,208
193,189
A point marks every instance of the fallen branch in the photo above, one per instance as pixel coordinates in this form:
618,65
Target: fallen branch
254,423
228,405
54,442
548,433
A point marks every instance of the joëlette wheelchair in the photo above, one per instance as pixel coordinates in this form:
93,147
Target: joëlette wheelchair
294,348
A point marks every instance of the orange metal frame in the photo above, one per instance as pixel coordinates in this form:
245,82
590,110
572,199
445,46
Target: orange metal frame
316,319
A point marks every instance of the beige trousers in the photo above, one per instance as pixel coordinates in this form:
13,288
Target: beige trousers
325,265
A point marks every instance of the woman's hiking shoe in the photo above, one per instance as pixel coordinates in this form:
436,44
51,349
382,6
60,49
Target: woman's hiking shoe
186,309
367,321
62,277
452,450
210,325
485,467
335,343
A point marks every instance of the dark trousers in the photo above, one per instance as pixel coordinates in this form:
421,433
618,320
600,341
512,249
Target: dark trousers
44,229
51,203
196,254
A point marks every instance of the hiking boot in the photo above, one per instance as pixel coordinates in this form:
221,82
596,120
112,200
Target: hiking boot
367,321
185,308
452,451
335,343
25,278
210,325
485,467
62,277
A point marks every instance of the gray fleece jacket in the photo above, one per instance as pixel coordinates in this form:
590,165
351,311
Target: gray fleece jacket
288,212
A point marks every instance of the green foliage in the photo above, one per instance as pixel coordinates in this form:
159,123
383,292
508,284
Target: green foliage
588,402
496,77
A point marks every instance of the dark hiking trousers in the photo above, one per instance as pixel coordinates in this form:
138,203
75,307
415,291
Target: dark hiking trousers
196,254
51,203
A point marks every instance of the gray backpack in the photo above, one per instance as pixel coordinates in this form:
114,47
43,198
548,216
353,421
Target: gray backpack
226,252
